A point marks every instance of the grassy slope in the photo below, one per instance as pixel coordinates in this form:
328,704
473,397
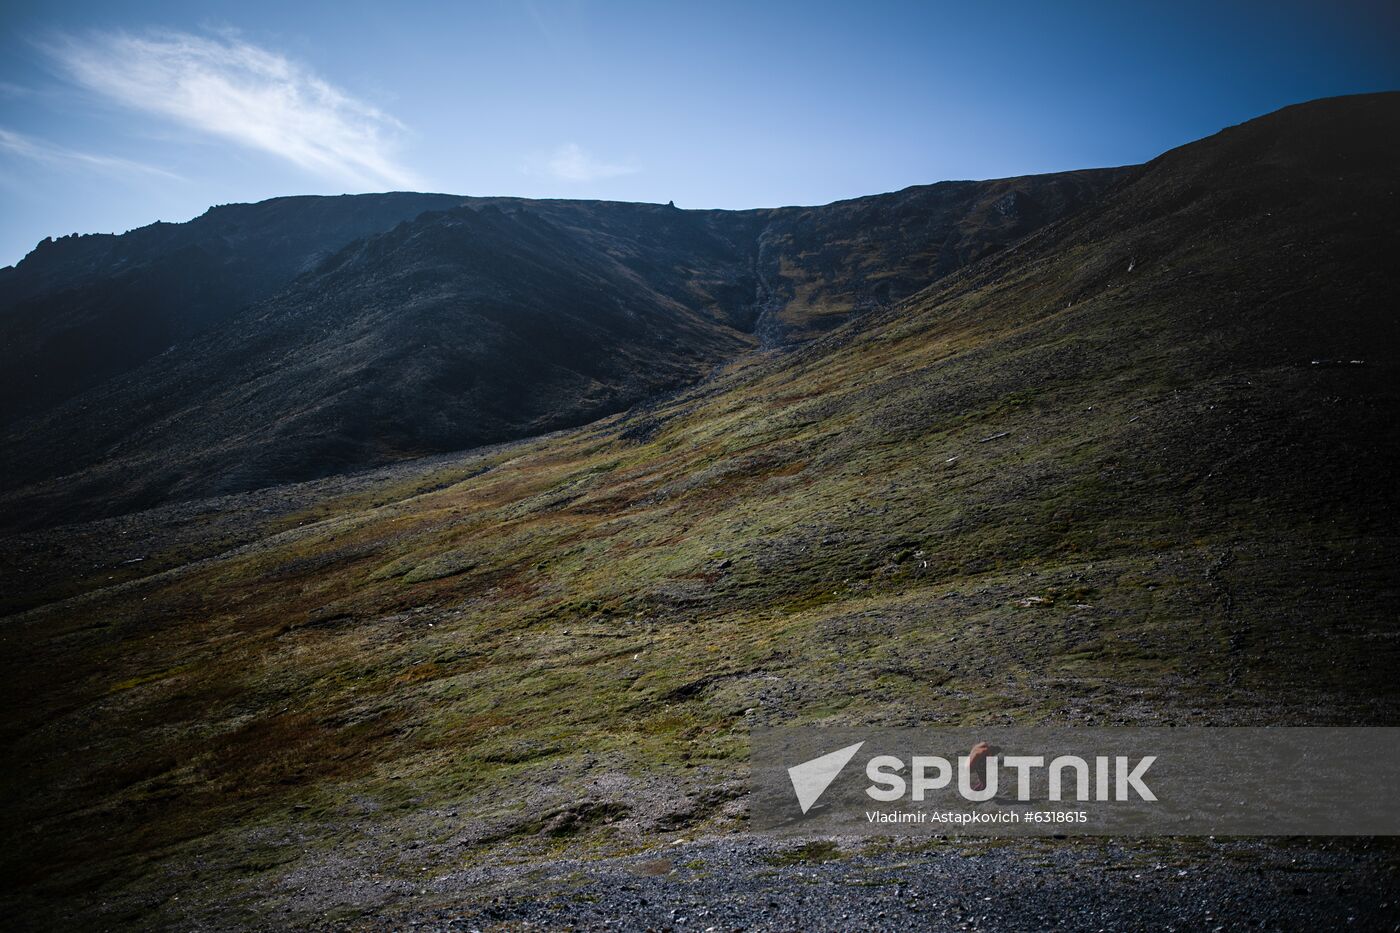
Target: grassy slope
1096,479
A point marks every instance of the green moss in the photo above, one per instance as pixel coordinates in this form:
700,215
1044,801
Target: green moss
442,565
810,853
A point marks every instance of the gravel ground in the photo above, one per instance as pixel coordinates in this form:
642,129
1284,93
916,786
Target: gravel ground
750,883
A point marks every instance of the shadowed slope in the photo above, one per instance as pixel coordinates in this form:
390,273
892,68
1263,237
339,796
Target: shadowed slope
824,265
1098,478
499,319
80,309
455,330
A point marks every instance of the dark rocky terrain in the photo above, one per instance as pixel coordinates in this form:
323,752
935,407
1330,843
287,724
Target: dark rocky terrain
1136,467
495,320
747,883
81,309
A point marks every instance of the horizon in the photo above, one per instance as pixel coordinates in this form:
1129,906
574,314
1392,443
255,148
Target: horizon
112,121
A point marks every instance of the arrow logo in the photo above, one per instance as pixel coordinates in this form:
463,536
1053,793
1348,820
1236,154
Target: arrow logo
811,778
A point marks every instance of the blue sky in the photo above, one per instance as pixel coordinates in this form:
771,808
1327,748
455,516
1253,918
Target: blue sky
114,115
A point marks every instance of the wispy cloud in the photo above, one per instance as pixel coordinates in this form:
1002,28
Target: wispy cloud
236,91
46,153
570,162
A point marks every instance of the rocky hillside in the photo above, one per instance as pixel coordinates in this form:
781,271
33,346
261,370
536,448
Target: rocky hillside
1137,468
820,266
80,309
238,353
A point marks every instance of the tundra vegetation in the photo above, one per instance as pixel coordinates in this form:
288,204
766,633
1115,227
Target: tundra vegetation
1108,474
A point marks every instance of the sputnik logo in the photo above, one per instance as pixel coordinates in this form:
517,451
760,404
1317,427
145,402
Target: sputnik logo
811,778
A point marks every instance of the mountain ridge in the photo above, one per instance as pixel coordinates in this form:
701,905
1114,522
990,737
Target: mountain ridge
786,271
82,308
